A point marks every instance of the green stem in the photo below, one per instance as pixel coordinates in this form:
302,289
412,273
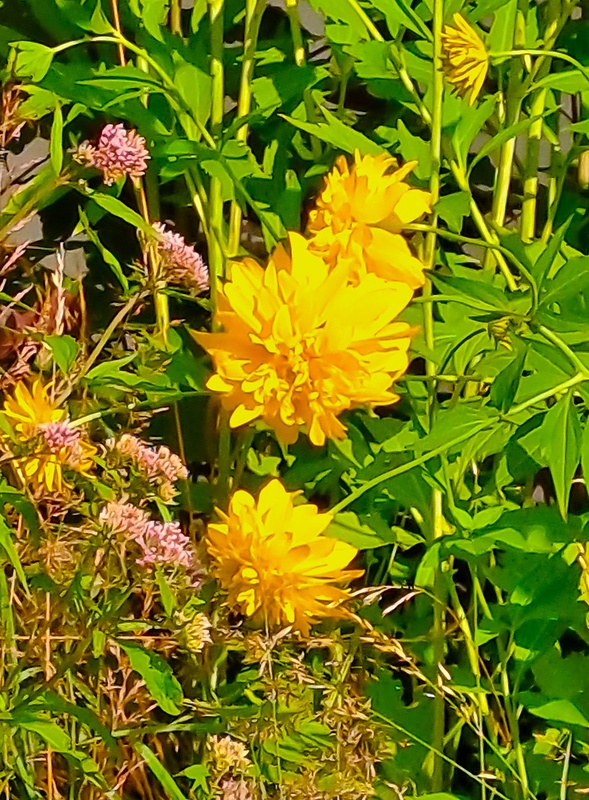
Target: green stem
528,215
552,53
439,589
254,10
296,32
176,17
563,347
216,260
565,769
489,236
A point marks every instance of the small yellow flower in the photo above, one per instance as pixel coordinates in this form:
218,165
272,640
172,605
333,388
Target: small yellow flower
272,559
301,345
465,58
360,215
56,444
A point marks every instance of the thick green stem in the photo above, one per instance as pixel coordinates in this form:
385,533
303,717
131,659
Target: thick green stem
528,216
506,155
216,259
439,589
296,33
254,10
176,17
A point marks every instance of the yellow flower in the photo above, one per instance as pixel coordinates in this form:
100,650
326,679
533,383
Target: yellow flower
56,443
360,215
272,559
465,58
301,345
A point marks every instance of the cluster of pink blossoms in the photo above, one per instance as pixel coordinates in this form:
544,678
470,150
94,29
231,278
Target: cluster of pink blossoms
61,438
160,542
159,465
180,262
119,152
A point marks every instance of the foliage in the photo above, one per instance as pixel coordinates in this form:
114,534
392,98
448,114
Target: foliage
456,666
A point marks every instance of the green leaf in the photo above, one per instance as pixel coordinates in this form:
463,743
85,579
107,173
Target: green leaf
198,773
109,368
194,86
561,437
7,545
347,528
542,267
469,127
32,60
454,424
154,14
56,143
64,349
399,13
106,254
506,384
158,676
161,773
473,293
500,139
452,208
568,81
437,796
338,134
570,281
502,30
563,711
166,594
118,209
414,148
49,731
38,103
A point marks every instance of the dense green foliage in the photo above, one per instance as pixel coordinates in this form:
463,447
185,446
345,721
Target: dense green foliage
466,499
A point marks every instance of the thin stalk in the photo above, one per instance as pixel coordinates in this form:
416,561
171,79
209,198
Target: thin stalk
439,589
563,347
160,299
295,32
225,461
565,769
254,11
513,723
438,635
116,19
102,342
489,236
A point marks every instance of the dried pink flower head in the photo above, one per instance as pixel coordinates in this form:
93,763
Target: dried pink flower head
62,439
164,543
181,263
159,465
232,789
160,542
119,152
125,518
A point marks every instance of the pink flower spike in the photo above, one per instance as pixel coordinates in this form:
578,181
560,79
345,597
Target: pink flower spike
181,263
119,152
